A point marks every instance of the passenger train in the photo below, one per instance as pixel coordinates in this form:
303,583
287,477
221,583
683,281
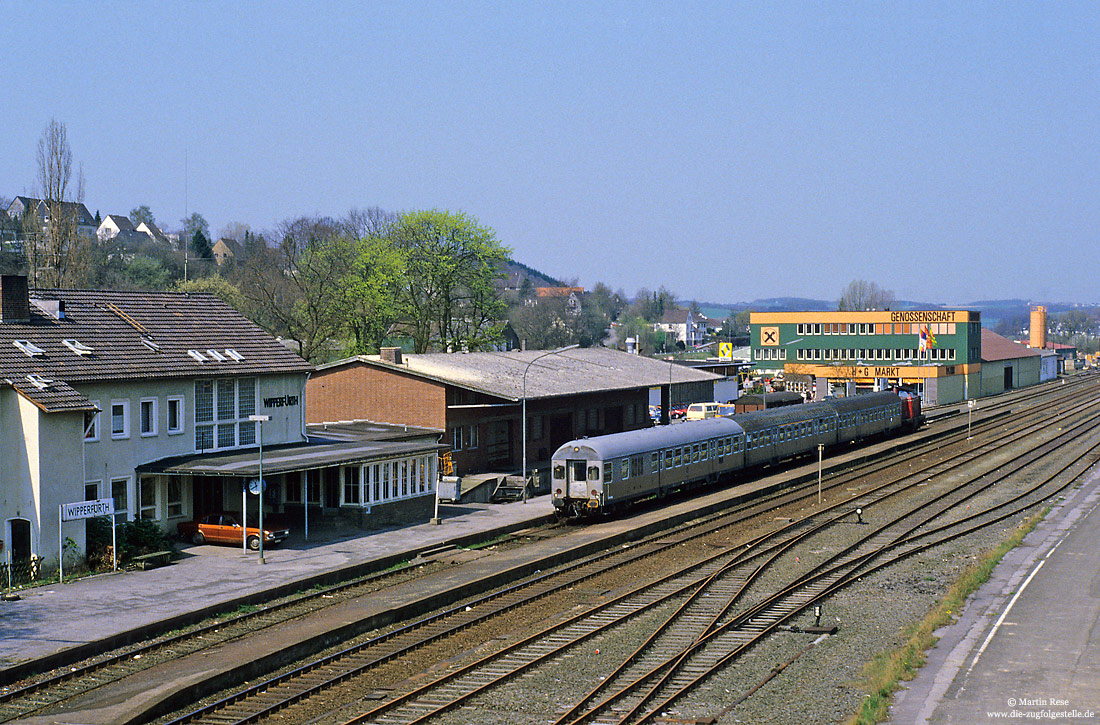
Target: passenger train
591,476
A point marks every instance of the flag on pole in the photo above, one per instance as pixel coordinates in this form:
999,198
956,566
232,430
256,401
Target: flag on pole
923,337
931,337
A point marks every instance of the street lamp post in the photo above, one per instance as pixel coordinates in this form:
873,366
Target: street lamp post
259,421
523,411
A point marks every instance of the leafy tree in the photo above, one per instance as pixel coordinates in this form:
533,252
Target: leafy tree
141,214
651,306
192,224
370,305
448,297
143,272
218,286
862,295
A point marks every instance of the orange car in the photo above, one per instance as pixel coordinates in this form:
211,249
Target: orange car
224,529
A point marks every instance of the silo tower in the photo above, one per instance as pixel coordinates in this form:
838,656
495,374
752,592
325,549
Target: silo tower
1039,327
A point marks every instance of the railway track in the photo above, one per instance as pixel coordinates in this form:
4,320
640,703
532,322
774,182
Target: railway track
47,691
236,711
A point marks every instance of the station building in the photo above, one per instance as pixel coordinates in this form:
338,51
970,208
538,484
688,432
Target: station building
157,402
477,398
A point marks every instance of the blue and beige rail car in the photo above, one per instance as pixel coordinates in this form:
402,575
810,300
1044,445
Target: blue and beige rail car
594,475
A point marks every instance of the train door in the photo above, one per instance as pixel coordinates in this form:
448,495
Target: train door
576,472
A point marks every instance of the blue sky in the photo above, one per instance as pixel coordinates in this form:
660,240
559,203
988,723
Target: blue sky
948,151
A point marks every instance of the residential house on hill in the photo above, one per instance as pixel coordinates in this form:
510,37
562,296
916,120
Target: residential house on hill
225,250
23,205
111,225
154,233
682,326
572,296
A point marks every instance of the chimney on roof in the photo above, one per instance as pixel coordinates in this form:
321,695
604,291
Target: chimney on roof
15,303
392,355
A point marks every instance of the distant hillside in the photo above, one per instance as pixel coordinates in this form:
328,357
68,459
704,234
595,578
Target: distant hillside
515,272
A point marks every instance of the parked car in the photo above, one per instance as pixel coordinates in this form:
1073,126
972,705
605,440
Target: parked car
222,528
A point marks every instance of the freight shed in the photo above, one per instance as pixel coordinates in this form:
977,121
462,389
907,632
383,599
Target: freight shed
477,398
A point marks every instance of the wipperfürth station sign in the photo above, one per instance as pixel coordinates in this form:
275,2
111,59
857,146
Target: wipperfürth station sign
87,509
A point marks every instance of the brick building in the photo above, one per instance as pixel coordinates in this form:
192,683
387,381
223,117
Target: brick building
477,398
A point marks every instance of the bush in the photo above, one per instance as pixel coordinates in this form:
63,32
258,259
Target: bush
134,539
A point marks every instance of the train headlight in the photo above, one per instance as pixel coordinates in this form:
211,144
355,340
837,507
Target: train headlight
557,492
595,493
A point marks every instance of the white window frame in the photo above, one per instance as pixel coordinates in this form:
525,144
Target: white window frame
125,433
152,418
179,399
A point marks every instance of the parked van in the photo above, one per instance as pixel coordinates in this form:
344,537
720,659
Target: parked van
699,411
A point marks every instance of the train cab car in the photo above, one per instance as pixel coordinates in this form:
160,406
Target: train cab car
593,475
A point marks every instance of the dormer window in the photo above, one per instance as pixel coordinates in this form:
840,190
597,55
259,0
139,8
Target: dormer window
78,347
233,354
197,355
28,348
216,355
150,344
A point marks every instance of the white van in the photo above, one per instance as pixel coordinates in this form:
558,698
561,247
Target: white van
699,411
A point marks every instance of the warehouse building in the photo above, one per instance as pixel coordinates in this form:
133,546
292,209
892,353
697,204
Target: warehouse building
946,355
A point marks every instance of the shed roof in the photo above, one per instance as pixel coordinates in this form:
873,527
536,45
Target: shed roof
996,348
580,370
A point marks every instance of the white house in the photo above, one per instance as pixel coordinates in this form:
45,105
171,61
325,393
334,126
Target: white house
111,225
681,324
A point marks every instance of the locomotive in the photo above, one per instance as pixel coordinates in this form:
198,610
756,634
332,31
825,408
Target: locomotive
592,476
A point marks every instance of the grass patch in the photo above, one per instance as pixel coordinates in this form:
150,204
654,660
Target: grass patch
882,675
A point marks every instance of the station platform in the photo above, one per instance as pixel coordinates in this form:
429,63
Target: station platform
1026,646
47,620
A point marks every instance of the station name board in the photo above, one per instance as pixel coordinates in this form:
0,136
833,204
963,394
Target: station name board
87,509
923,316
281,401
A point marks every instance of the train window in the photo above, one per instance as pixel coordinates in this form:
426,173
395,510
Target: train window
593,473
624,469
707,448
655,461
637,465
607,469
679,458
695,453
668,458
559,472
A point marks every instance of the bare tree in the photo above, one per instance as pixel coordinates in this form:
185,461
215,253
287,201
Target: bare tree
64,257
862,295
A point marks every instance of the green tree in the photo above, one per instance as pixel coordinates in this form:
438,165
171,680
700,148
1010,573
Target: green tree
218,286
200,246
144,272
448,297
192,224
371,285
141,214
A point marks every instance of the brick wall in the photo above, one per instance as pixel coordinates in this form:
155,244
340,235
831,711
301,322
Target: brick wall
357,391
